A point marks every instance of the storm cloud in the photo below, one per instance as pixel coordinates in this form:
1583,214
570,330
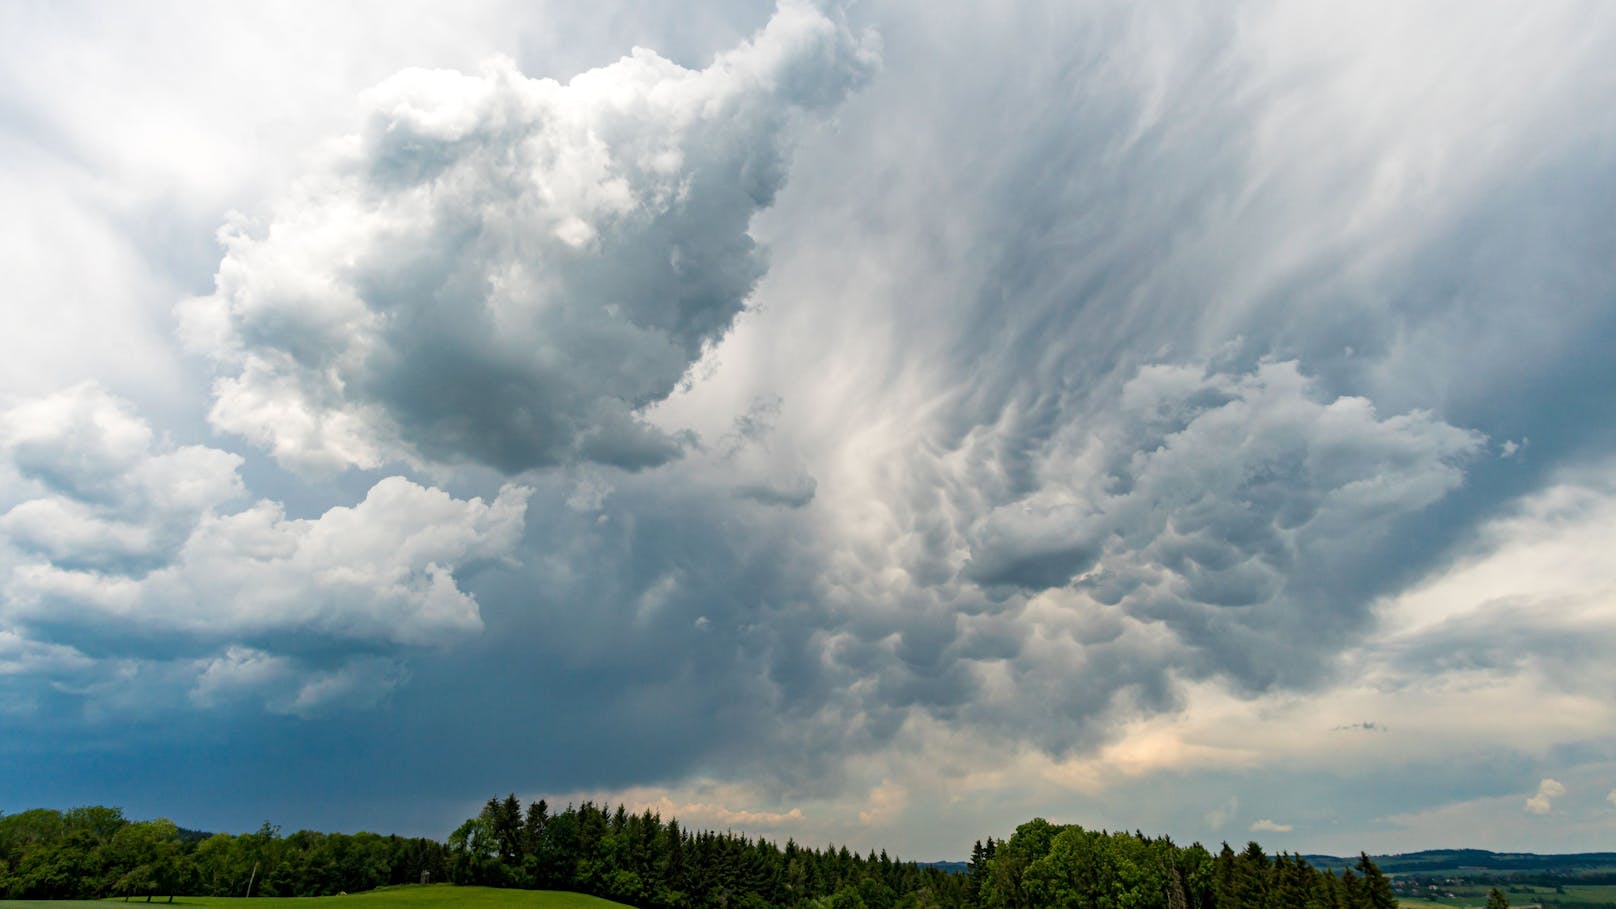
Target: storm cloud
885,415
507,270
1239,511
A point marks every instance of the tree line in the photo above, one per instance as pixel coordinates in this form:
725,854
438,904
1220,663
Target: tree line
95,852
645,861
1046,864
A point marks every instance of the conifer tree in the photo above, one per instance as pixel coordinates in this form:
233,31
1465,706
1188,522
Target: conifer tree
1377,890
538,816
1224,890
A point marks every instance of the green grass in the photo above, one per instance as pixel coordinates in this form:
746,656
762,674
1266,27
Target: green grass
1575,897
409,897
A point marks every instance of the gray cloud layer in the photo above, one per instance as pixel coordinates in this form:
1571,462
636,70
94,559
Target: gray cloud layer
1214,525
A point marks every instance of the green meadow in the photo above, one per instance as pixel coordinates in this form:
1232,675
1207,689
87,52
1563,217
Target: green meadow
409,897
1574,897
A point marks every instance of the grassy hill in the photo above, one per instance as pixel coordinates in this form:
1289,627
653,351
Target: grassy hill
1471,862
1568,897
431,896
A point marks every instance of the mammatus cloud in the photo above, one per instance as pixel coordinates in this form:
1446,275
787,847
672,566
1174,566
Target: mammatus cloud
1238,510
1212,525
109,530
508,270
1270,826
1543,801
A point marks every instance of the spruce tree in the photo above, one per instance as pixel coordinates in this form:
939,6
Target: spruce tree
1377,889
1223,878
508,831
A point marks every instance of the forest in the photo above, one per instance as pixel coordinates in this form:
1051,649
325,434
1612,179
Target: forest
94,852
642,860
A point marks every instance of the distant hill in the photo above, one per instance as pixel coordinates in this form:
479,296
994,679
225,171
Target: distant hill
1581,866
950,867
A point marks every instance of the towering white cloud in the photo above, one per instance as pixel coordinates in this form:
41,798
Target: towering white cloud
507,270
1542,801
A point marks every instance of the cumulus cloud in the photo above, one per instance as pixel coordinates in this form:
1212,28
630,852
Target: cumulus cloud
286,685
381,570
1542,802
885,803
108,529
88,488
1270,826
697,802
1222,814
719,815
589,493
20,656
1611,798
509,270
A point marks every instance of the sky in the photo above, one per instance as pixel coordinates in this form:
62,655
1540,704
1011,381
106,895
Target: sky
879,423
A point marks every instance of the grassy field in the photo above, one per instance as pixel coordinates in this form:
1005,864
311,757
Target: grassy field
1574,897
413,897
